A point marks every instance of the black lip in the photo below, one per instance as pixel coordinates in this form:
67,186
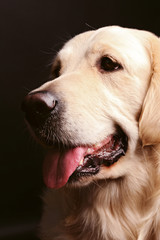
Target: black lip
92,163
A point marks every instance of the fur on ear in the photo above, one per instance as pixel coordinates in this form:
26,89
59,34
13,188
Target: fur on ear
149,123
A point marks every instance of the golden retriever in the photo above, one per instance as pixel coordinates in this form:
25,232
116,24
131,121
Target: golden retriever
99,118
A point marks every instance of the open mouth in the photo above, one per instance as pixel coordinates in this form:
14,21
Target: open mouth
69,164
106,153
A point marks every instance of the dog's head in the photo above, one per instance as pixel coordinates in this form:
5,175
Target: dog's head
102,102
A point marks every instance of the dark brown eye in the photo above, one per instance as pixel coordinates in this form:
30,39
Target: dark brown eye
108,64
57,70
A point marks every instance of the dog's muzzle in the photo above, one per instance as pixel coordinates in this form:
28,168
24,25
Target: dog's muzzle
68,162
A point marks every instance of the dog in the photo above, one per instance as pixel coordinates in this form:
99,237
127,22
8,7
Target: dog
99,120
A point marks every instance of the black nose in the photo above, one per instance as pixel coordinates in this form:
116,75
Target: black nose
38,106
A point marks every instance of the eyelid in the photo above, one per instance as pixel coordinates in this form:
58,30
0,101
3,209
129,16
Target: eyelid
111,57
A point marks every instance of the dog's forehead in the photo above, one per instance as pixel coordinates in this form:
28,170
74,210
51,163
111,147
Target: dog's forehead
112,37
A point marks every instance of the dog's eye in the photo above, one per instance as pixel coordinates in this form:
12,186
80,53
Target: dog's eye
108,64
56,70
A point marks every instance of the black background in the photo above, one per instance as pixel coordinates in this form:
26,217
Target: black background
31,31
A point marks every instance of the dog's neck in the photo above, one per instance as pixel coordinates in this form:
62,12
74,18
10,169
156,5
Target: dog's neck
121,202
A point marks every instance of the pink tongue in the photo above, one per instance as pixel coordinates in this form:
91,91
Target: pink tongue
59,166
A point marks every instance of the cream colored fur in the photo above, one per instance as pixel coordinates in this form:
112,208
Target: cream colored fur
121,202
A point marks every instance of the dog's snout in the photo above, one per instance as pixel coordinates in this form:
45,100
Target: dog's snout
37,106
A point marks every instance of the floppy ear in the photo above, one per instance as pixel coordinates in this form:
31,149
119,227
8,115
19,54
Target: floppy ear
149,123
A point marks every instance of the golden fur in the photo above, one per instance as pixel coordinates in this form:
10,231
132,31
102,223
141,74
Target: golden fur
121,202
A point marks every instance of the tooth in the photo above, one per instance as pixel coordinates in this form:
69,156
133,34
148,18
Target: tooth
81,162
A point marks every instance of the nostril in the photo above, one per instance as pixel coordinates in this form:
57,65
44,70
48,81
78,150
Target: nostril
38,105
